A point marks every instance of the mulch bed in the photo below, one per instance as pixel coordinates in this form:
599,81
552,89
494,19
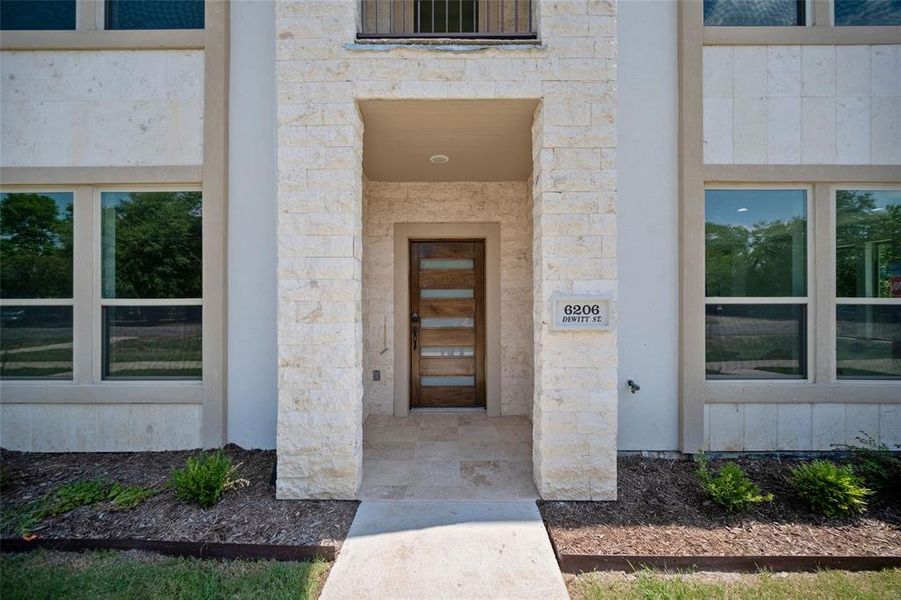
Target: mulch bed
246,515
663,511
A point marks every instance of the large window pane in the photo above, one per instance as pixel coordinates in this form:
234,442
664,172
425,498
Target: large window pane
868,244
154,14
151,245
867,12
756,341
24,15
36,342
36,245
149,342
756,243
868,341
752,13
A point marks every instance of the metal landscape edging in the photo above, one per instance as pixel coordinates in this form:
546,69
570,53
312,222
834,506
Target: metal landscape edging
176,548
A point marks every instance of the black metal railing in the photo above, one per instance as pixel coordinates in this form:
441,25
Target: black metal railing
469,19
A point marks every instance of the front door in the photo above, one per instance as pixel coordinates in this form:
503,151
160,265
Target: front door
447,324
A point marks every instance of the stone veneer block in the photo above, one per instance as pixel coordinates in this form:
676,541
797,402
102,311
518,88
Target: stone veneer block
794,427
727,427
761,425
823,104
110,108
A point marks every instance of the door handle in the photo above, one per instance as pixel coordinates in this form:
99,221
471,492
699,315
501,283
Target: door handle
415,317
415,336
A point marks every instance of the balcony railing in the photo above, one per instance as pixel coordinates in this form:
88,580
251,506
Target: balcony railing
469,19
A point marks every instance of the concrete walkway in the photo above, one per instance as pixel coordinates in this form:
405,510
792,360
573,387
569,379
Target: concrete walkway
462,550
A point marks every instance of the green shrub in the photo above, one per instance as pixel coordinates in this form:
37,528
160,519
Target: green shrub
829,489
730,487
877,465
78,493
128,497
22,519
205,478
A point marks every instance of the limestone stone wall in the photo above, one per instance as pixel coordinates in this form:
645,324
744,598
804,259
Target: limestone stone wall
321,73
798,426
507,203
109,108
99,427
787,105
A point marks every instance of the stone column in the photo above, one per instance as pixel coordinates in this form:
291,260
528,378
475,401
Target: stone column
574,251
320,141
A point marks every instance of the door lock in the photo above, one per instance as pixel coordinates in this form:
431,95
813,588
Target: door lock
415,317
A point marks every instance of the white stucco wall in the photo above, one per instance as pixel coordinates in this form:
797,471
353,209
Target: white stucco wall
648,219
507,203
802,105
109,108
252,207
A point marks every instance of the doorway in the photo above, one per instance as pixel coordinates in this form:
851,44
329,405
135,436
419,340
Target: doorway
447,324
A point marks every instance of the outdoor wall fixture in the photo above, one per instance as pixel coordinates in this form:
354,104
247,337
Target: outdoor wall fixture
439,159
633,387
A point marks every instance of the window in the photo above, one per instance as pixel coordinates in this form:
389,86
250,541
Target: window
36,244
756,245
499,19
868,284
37,15
754,13
445,17
867,12
151,281
154,14
138,254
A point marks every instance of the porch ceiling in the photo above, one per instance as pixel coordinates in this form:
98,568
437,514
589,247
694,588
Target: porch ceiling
486,140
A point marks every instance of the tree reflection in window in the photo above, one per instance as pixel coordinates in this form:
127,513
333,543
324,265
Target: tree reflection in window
868,244
756,243
152,245
36,245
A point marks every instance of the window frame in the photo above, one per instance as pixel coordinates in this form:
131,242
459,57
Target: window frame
99,302
70,301
87,385
807,301
835,300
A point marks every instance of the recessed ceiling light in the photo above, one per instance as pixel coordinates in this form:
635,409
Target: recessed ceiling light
742,210
439,159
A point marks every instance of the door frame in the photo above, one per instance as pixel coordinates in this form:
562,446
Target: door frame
403,234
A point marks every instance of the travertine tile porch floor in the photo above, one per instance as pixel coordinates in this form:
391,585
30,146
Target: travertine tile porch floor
447,456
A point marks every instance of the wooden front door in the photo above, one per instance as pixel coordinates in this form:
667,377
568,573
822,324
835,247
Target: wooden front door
447,323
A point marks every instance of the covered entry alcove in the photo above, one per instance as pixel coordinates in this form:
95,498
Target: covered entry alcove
447,299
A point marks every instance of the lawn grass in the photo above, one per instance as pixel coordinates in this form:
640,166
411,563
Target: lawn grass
876,585
109,574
